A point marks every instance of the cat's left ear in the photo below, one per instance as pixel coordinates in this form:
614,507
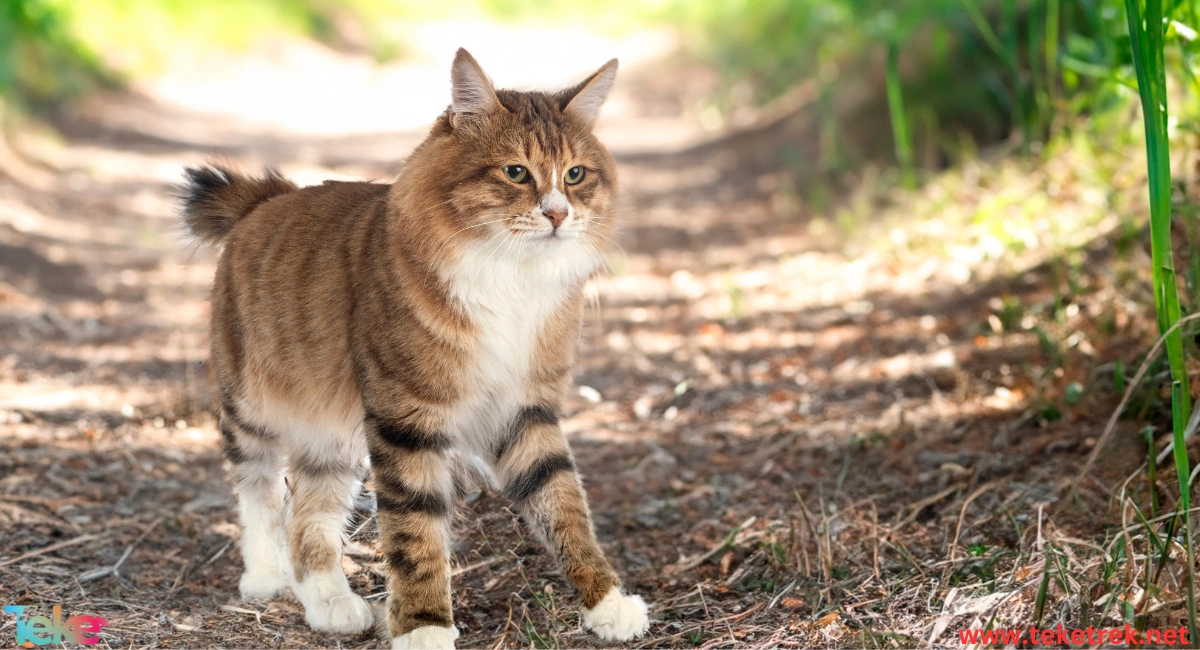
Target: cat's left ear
584,100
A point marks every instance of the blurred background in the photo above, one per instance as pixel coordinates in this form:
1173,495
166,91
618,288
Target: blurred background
884,274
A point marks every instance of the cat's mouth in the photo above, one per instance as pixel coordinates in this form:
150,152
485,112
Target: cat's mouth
560,235
550,236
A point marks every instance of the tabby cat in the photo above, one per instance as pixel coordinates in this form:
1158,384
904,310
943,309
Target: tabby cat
422,325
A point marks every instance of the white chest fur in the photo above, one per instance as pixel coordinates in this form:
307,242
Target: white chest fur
509,296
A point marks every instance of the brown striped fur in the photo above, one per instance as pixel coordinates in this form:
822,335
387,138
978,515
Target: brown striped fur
416,323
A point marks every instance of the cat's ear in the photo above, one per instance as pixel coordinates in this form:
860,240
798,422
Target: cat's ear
584,100
471,92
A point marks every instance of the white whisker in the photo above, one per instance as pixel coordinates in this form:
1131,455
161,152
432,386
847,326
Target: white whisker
438,252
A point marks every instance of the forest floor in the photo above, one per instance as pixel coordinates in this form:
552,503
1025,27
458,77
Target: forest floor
783,444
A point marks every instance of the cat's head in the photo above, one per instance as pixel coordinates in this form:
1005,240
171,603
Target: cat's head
520,170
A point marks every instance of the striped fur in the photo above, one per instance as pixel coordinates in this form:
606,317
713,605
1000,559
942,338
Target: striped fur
412,323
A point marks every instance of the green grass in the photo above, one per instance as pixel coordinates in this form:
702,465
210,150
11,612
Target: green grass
900,130
1146,35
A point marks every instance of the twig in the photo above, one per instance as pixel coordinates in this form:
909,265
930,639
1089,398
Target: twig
727,543
218,554
812,530
53,521
917,507
507,624
177,584
1040,542
112,570
478,565
724,619
362,525
53,547
875,540
242,610
963,512
782,592
46,501
108,570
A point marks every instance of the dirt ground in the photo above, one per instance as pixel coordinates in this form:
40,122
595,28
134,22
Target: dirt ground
783,446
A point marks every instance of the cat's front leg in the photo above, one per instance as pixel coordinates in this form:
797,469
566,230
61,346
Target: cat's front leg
414,492
538,473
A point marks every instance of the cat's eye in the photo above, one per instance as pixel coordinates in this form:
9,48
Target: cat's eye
574,175
516,173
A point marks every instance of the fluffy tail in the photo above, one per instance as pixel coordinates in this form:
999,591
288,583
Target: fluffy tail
216,198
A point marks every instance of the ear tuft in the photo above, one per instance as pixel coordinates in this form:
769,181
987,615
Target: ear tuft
584,100
471,92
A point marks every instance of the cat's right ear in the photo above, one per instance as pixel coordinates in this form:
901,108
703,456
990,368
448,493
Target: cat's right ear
471,92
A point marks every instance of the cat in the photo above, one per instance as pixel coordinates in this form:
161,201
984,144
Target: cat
413,324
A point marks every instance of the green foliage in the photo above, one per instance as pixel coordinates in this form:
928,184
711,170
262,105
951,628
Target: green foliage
1146,30
900,130
769,45
992,69
40,60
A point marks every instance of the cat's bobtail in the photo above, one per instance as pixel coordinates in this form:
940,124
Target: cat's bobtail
215,198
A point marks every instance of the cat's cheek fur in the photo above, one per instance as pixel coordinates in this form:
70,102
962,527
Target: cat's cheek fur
428,637
617,617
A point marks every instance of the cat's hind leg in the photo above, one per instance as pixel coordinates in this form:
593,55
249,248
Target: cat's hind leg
255,460
325,473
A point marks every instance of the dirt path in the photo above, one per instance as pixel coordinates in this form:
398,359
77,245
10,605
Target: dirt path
778,442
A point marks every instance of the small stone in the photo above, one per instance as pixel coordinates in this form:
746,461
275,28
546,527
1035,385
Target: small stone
590,394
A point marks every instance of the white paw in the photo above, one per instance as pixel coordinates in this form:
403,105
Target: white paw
330,605
260,584
427,637
617,617
348,614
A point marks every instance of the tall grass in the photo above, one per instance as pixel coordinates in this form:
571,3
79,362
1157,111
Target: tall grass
900,130
1146,30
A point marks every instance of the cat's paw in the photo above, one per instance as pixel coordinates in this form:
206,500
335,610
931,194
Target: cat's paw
617,617
348,614
427,637
262,584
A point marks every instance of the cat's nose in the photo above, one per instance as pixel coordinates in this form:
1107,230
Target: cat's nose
554,205
556,216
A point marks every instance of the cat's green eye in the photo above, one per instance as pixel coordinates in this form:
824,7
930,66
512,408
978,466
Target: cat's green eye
574,175
516,173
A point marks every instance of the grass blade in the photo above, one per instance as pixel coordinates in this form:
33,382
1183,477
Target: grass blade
900,132
1146,38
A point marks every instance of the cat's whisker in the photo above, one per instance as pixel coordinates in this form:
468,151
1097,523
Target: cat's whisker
504,217
591,230
511,249
602,257
613,242
491,253
615,211
452,235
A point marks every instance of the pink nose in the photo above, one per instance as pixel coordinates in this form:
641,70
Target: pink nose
556,217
